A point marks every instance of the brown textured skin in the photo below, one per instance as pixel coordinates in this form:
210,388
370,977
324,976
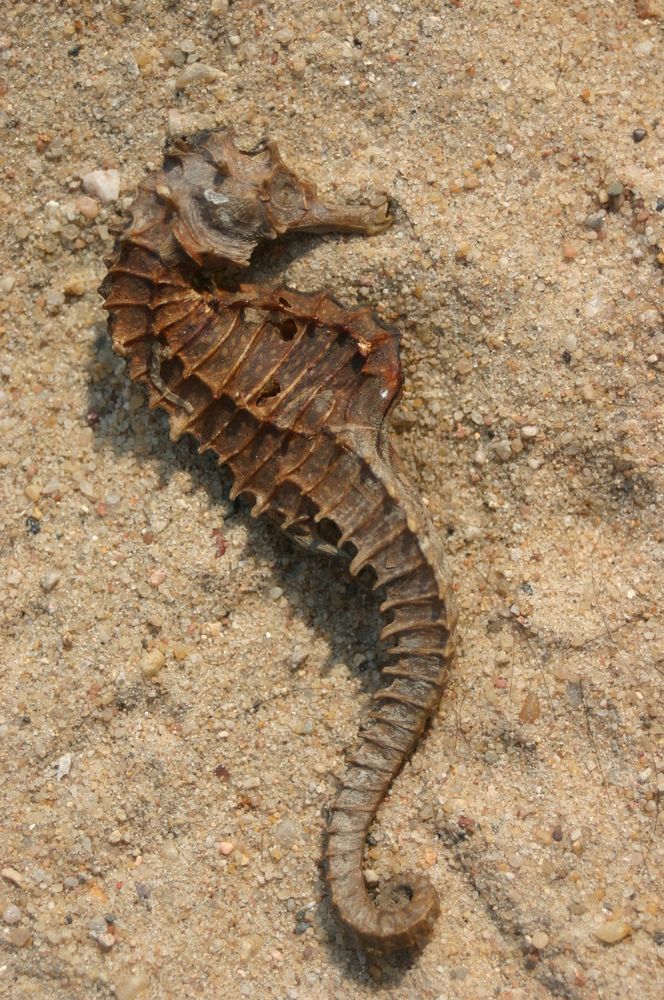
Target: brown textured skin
291,392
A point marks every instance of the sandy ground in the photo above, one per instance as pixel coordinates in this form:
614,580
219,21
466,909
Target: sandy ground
179,686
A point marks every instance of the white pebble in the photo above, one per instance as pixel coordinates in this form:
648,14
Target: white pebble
49,580
11,914
102,184
63,767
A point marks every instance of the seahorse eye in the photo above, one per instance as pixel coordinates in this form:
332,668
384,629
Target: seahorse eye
286,197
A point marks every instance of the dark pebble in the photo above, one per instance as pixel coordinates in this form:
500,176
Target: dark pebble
33,525
639,134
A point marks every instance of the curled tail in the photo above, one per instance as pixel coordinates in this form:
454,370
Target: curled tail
421,614
409,903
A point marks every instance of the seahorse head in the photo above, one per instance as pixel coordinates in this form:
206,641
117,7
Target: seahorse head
221,201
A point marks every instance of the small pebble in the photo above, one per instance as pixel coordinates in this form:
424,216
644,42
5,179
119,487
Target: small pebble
639,134
63,767
503,450
152,662
13,876
530,431
196,73
50,580
284,36
226,847
211,629
54,302
11,914
98,931
303,727
613,932
540,940
103,184
87,207
250,944
75,286
530,709
650,9
115,837
595,221
298,65
18,937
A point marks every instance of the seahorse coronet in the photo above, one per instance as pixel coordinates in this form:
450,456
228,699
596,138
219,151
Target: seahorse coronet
293,391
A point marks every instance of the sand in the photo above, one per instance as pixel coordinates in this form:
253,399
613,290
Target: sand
179,685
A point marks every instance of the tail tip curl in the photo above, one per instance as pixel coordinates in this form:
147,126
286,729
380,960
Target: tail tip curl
403,917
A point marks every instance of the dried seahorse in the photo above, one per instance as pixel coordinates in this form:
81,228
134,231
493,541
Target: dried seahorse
291,391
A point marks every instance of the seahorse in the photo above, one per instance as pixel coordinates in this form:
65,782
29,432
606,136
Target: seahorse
293,391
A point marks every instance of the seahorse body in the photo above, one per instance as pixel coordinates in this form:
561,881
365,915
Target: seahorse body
291,392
